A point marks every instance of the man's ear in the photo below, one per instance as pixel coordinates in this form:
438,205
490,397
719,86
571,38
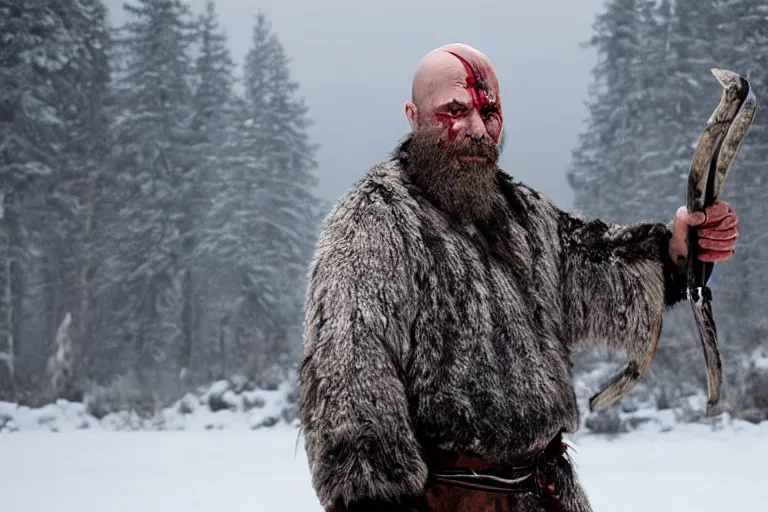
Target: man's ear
412,114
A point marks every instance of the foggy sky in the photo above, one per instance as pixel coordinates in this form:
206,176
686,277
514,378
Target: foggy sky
354,60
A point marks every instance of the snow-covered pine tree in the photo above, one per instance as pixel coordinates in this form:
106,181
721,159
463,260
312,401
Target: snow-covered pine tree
67,217
26,48
290,163
214,76
646,155
214,105
234,243
739,286
627,146
268,214
155,171
46,61
604,161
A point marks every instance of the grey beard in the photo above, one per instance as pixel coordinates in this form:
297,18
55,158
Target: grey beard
467,193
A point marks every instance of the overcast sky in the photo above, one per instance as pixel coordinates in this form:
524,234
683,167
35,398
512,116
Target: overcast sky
354,60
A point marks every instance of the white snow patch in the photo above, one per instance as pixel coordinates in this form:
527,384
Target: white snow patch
221,406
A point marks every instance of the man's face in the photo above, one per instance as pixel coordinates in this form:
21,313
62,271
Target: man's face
457,94
454,149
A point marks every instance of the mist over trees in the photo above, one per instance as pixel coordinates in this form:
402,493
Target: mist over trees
156,221
651,95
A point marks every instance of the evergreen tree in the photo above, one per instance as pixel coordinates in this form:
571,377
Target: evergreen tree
267,212
214,77
606,152
69,222
155,173
739,285
215,107
290,162
52,73
28,55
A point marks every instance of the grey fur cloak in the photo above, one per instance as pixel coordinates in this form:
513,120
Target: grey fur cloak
423,332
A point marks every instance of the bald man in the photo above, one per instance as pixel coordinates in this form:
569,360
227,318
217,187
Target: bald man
444,302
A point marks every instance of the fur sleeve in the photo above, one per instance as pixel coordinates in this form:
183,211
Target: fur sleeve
353,406
617,280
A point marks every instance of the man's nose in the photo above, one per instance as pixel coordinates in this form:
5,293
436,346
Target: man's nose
475,126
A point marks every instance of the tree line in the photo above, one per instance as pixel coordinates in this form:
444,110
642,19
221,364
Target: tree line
156,220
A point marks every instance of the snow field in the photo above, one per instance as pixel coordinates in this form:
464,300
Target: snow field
690,468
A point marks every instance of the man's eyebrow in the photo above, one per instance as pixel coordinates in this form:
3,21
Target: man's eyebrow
453,102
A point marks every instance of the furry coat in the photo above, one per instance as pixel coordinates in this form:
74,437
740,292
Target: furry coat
423,332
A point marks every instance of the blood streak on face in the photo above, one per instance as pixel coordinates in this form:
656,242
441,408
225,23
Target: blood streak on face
450,123
483,98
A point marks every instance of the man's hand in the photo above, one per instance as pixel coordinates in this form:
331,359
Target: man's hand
717,229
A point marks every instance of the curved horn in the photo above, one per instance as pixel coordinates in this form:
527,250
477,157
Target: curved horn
737,130
710,167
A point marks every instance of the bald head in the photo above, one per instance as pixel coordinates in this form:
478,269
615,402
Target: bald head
447,65
455,88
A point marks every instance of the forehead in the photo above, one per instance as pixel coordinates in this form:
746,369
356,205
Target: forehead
449,83
454,75
476,67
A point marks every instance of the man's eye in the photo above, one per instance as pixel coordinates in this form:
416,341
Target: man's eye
488,113
454,111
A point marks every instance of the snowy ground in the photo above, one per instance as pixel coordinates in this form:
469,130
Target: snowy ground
691,468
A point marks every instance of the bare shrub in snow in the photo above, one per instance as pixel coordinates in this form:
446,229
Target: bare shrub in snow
122,394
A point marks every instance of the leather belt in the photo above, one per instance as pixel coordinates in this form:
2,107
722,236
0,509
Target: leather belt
525,475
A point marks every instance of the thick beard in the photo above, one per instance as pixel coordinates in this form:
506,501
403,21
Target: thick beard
467,191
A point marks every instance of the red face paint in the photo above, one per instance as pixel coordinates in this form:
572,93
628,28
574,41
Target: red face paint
449,122
483,98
